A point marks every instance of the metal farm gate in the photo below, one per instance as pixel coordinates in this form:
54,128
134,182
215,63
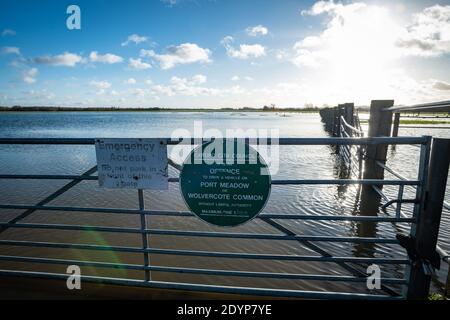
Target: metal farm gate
423,224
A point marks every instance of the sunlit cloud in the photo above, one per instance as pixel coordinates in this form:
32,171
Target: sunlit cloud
8,32
11,50
66,59
135,38
29,76
130,81
199,79
185,53
108,58
245,51
100,84
258,30
138,64
441,85
429,33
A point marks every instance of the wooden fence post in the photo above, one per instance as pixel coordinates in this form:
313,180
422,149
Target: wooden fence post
429,217
380,122
349,109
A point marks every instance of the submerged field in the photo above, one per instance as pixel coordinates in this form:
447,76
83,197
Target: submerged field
296,162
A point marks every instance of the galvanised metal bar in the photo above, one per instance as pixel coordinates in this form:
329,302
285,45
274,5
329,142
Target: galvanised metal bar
425,150
47,177
189,214
143,233
203,233
56,177
274,182
25,243
215,272
440,106
206,288
270,236
428,212
389,201
398,210
280,141
280,257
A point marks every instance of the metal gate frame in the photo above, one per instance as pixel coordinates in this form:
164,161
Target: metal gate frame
270,218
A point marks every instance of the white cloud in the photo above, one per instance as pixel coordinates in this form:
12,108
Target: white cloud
40,95
184,53
139,92
134,38
30,76
11,50
199,79
331,8
441,85
237,78
245,51
171,3
138,64
108,58
8,32
66,59
429,33
258,30
281,54
131,81
100,84
185,87
348,39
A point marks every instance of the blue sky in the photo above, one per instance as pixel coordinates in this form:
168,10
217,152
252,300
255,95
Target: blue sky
223,53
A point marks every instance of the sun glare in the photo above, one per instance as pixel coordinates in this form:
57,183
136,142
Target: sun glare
362,50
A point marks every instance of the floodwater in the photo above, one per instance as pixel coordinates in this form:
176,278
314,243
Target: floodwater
296,162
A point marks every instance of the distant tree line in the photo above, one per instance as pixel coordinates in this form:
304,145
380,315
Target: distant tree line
270,108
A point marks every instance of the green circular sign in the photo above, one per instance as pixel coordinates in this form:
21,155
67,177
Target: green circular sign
225,182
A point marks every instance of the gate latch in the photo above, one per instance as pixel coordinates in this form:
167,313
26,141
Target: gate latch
428,263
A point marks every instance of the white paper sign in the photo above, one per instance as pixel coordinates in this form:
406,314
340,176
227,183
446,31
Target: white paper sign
132,163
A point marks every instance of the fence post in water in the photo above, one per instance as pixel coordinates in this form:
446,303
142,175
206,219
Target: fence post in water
348,113
380,122
426,230
396,124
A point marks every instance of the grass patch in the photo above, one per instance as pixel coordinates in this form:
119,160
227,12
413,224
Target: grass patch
416,121
436,296
422,121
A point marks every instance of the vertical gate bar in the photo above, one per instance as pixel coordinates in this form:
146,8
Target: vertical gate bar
396,124
426,230
420,195
144,235
398,209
